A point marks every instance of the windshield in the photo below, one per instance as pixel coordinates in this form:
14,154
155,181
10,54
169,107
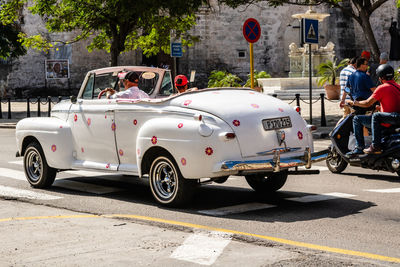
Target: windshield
96,83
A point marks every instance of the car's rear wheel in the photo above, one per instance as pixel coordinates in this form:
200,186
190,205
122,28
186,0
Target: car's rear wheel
335,162
38,173
167,183
267,183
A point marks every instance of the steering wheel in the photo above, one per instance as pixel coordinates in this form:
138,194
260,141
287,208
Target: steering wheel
102,92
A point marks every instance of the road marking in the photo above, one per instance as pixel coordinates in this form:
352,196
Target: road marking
77,173
64,183
389,190
6,191
202,248
17,162
85,187
321,197
228,231
13,174
236,209
320,168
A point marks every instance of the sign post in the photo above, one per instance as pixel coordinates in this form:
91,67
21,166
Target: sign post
310,35
251,32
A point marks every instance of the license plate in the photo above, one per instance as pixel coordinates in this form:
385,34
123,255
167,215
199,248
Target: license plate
276,123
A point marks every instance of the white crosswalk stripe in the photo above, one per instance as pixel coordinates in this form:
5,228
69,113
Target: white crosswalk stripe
64,183
389,190
202,248
236,209
13,174
320,197
6,191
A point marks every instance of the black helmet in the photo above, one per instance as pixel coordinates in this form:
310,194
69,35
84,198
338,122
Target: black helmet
385,71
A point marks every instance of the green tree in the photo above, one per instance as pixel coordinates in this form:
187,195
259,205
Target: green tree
10,45
114,25
359,10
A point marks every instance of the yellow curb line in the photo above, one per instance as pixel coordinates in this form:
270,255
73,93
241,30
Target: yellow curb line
209,228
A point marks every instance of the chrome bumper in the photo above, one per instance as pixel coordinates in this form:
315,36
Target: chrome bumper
276,163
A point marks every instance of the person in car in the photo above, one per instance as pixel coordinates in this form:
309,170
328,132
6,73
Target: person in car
388,94
131,91
181,84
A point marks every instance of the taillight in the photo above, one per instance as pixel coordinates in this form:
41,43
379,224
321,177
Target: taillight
298,109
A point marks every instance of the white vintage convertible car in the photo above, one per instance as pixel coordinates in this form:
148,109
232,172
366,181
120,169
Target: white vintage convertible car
173,139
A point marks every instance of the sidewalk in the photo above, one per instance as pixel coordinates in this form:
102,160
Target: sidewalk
332,114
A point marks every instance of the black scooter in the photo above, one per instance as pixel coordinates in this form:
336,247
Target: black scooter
389,160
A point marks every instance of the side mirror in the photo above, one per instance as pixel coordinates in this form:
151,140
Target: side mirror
73,99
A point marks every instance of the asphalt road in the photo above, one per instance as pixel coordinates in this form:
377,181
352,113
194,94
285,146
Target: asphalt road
91,218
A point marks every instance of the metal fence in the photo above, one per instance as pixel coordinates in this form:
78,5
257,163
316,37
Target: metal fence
48,101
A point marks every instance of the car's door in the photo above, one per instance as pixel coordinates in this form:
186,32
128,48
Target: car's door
93,126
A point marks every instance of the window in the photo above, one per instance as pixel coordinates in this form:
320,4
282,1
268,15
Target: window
241,53
166,87
88,92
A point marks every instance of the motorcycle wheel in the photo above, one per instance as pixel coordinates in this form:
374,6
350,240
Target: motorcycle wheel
335,163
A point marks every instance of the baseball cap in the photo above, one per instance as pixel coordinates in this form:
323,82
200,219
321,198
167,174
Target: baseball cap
365,54
181,80
132,77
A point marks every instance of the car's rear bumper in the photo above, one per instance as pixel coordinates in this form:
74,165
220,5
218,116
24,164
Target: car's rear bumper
275,164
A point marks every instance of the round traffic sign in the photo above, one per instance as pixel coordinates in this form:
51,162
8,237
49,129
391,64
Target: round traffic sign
251,30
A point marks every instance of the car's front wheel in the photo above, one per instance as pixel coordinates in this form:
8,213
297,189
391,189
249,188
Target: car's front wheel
38,173
167,183
267,183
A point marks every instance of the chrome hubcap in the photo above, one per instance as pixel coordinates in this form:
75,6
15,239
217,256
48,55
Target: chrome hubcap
164,180
33,165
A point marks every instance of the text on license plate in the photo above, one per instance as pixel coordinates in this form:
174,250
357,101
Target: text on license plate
276,123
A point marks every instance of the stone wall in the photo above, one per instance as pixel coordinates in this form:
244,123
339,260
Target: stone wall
221,38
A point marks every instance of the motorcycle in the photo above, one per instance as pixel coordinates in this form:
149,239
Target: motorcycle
343,141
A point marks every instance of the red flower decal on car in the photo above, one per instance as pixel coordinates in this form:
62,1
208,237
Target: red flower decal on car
281,109
60,126
183,161
138,151
255,105
75,117
236,123
121,152
105,116
154,140
300,135
113,126
187,102
180,125
83,150
209,151
89,121
53,148
108,166
134,122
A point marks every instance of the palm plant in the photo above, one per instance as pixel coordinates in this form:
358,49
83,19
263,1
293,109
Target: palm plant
328,71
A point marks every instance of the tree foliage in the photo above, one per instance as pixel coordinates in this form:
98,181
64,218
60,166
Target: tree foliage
359,10
113,25
10,45
219,78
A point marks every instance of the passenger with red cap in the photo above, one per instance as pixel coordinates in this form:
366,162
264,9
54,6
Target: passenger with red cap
181,84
